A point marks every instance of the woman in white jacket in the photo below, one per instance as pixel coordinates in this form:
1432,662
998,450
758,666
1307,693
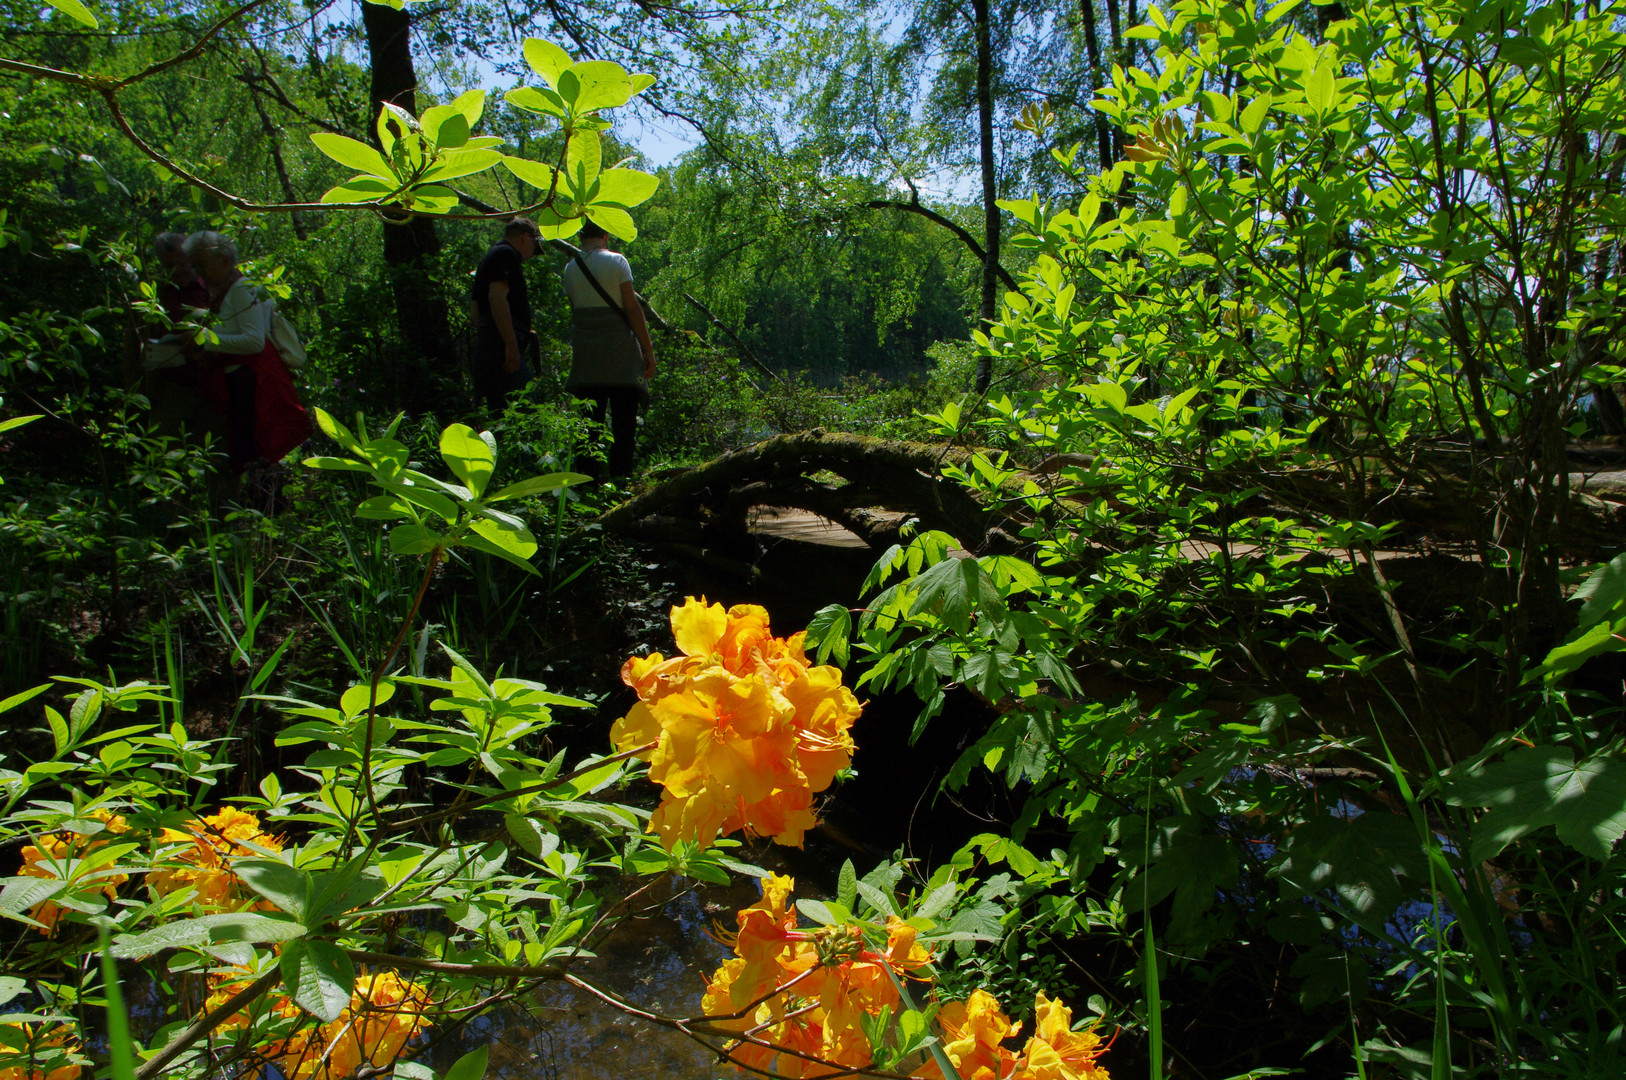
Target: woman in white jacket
243,376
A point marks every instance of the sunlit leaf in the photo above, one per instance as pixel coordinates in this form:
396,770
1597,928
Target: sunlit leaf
350,152
468,455
75,11
625,187
546,59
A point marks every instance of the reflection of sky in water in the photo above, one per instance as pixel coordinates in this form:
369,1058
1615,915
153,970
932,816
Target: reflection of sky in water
658,960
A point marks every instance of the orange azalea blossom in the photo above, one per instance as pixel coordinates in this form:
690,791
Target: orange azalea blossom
48,859
745,729
798,995
974,1033
976,1030
1056,1051
385,1013
33,1044
213,841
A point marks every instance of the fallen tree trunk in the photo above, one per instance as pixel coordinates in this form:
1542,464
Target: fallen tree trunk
873,474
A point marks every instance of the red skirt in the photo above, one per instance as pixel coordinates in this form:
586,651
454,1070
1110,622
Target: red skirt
280,421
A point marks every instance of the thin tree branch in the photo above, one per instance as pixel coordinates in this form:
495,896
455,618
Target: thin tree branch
916,207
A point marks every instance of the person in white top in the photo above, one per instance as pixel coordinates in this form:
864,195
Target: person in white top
243,375
612,358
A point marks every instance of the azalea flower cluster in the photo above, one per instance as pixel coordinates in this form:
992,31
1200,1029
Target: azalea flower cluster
741,729
976,1031
50,859
385,1013
21,1040
797,997
210,842
804,991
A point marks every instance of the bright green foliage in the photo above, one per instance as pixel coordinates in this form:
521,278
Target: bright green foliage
435,515
1341,275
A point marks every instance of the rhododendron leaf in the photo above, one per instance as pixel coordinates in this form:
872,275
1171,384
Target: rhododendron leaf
847,884
346,889
539,485
415,539
469,456
319,977
289,889
22,893
493,538
76,11
471,1066
353,702
353,153
546,59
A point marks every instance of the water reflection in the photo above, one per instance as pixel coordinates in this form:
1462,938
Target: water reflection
658,959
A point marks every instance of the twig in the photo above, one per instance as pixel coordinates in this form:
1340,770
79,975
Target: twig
206,1023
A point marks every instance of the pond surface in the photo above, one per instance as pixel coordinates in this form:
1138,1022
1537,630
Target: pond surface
658,959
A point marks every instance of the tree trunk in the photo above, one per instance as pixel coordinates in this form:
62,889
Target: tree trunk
1098,72
990,192
411,242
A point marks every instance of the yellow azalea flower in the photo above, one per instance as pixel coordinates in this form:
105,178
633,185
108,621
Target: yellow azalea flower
385,1013
739,729
32,1043
214,840
1056,1051
48,859
806,990
975,1031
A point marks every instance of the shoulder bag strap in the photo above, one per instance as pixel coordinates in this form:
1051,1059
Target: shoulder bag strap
615,307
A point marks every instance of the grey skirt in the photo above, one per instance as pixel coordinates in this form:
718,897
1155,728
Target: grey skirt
604,352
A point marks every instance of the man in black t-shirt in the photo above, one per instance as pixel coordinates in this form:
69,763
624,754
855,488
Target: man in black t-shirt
501,309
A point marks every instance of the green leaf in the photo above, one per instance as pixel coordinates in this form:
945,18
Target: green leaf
462,163
415,539
847,886
512,543
583,159
471,103
1253,117
538,485
289,889
471,1066
1604,592
75,11
546,59
360,189
338,891
23,695
1528,789
625,187
319,977
538,100
470,456
1361,859
540,176
1321,89
1595,640
614,221
446,126
599,84
120,1046
17,422
350,152
207,930
830,630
